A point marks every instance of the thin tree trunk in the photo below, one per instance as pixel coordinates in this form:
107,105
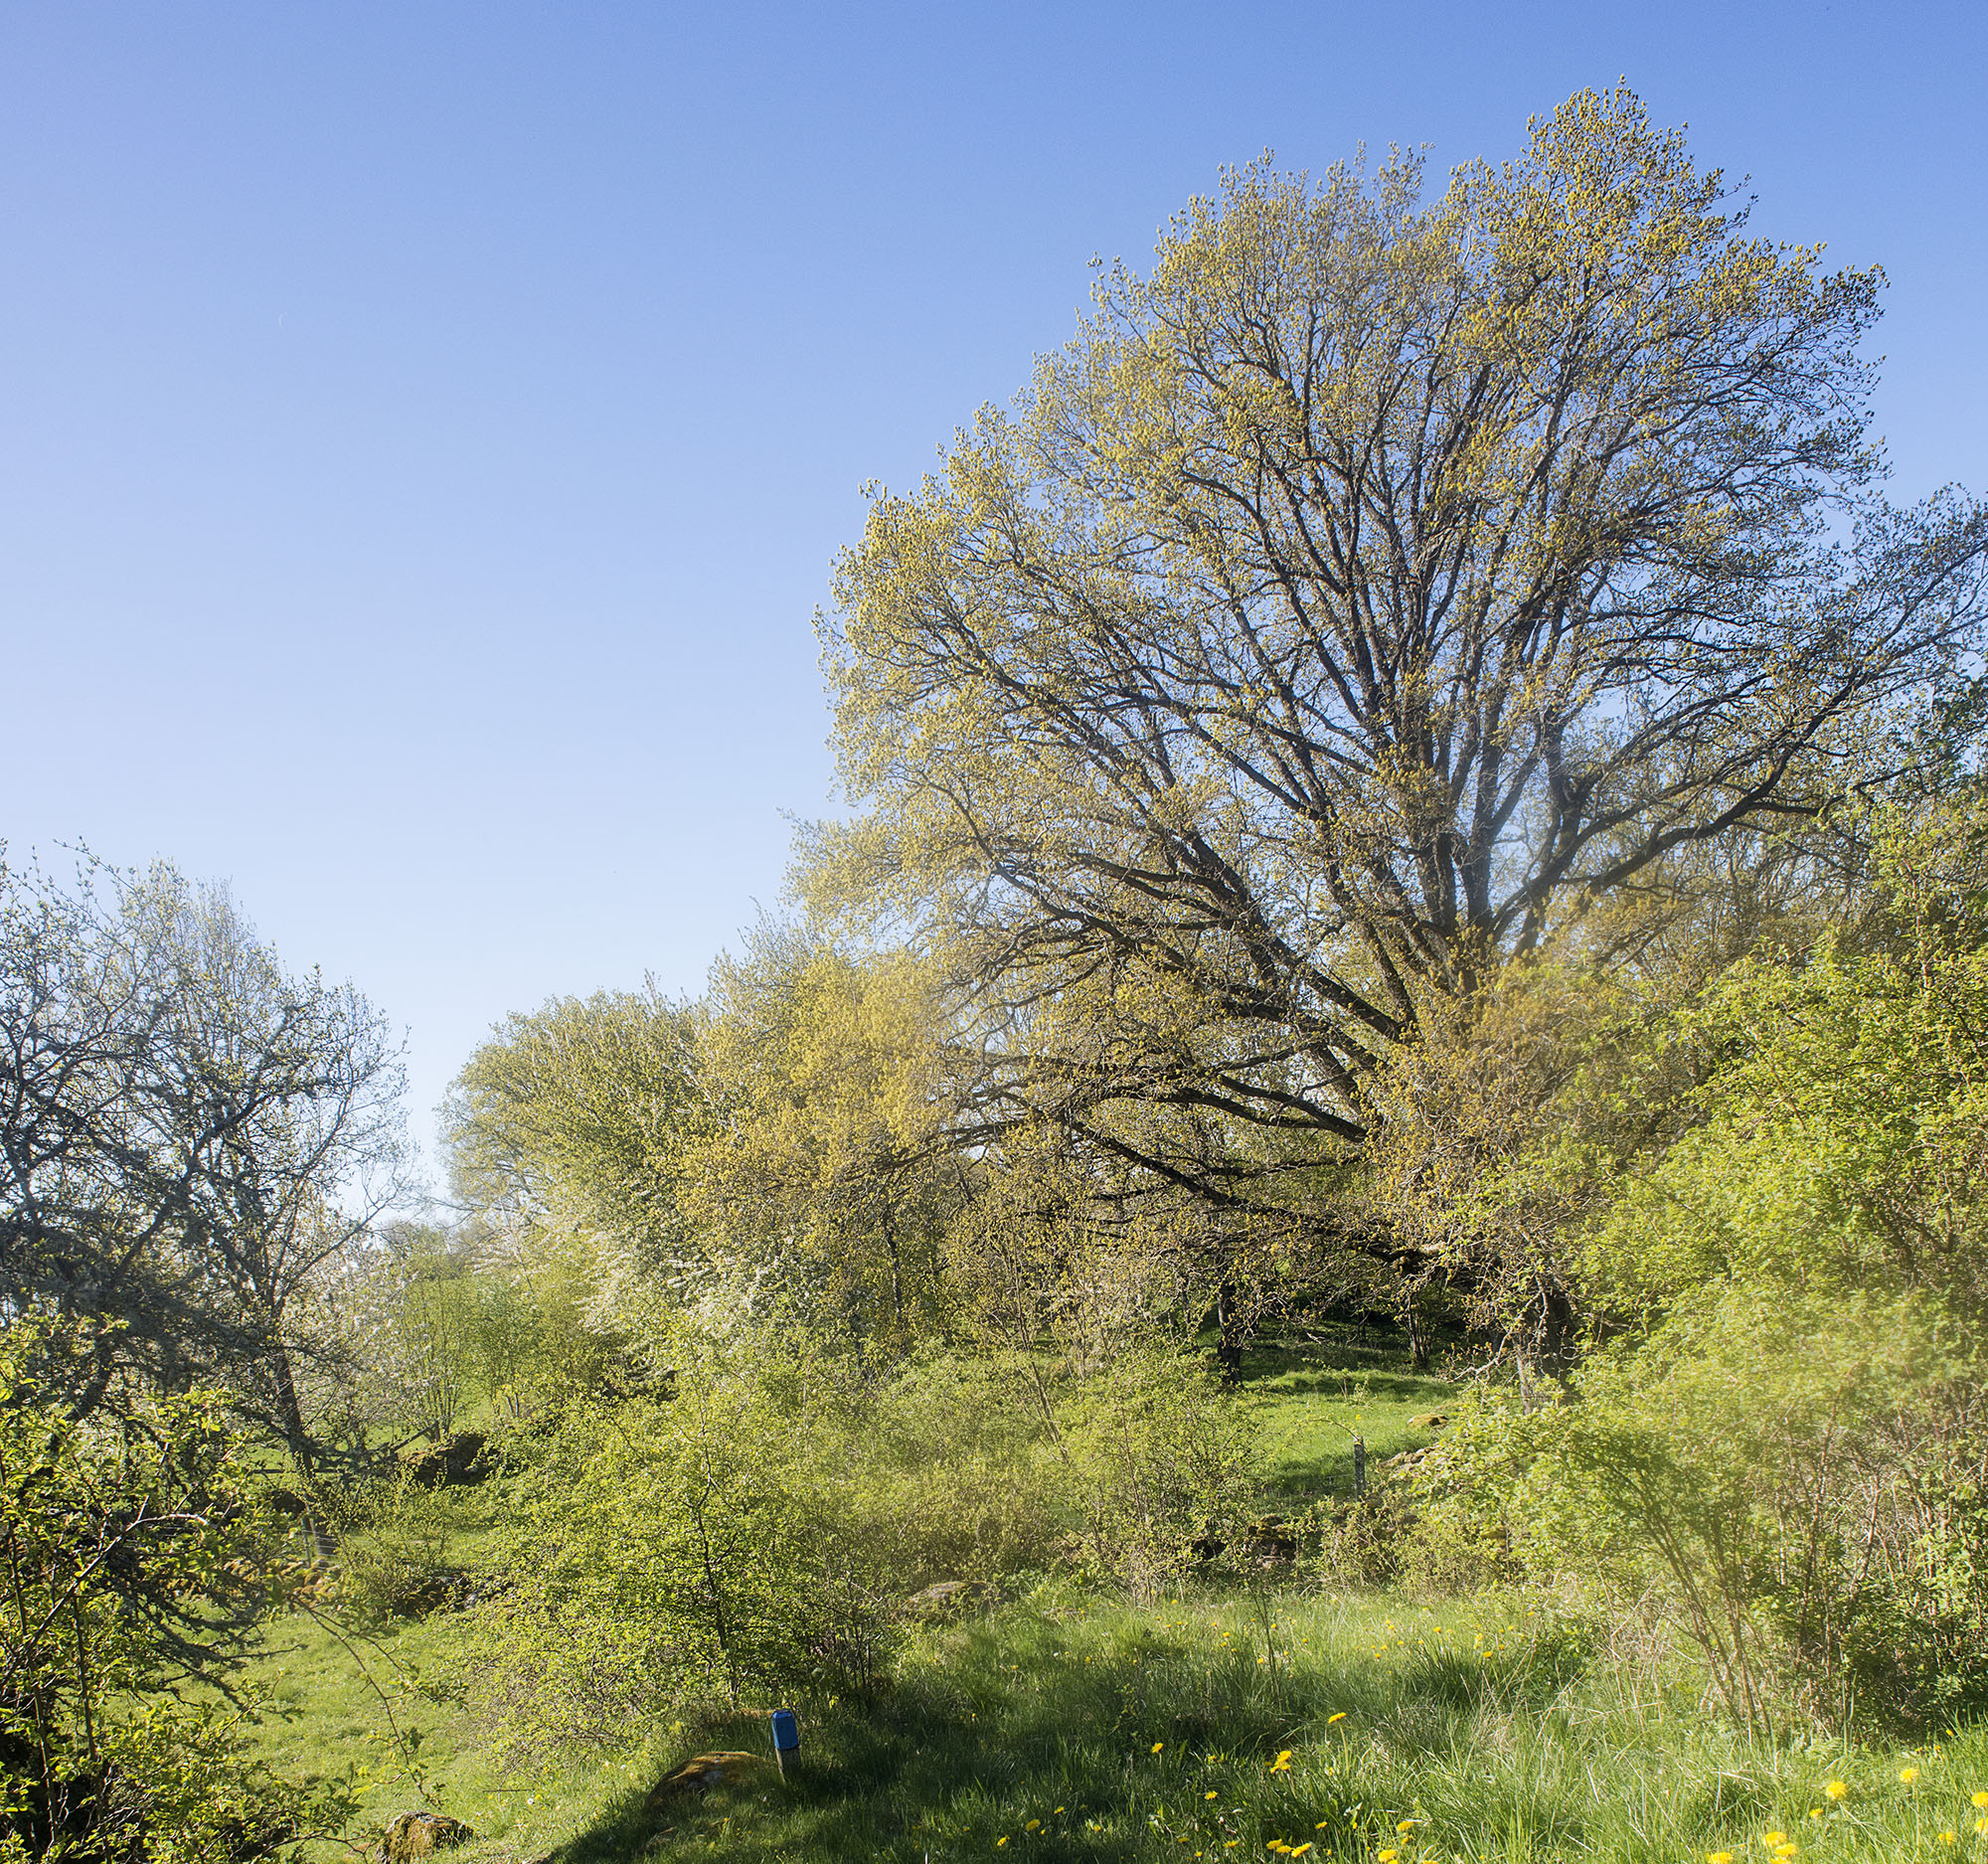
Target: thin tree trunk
289,1409
1229,1329
897,1268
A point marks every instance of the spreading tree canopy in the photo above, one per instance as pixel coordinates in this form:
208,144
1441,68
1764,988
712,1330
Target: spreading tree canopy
1363,596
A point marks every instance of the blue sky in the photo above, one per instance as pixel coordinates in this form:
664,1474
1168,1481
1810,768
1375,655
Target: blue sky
425,430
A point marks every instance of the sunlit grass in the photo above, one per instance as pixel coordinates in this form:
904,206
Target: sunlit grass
1272,1722
1149,1733
1309,1405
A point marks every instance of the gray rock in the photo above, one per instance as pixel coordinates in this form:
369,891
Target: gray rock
947,1600
413,1835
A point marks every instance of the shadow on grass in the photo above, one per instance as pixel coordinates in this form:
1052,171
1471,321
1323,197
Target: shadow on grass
1107,1739
1380,1388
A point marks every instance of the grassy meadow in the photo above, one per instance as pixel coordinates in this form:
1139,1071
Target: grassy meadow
1264,1713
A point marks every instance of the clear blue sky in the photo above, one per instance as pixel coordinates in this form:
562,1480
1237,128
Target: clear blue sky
424,431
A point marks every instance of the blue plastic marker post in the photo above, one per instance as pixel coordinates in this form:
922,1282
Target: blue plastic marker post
786,1738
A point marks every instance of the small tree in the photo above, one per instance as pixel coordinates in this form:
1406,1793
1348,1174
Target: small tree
190,1136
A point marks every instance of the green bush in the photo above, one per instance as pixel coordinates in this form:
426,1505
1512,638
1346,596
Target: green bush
1155,1456
1775,1462
757,1533
394,1538
1771,1486
133,1558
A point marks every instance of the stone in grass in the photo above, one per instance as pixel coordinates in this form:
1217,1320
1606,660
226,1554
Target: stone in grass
728,1767
411,1835
442,1466
947,1600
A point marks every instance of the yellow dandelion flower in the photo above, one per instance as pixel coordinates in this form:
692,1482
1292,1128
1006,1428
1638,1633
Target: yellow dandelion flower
999,1843
1388,1857
1906,1774
1950,1837
1718,1857
1282,1763
1981,1802
1158,1745
1404,1827
1209,1794
1340,1716
1773,1837
1300,1851
1837,1791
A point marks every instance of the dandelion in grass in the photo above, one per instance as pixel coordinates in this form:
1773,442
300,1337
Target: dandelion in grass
1209,1793
1838,1791
1340,1716
1158,1745
1718,1857
1950,1837
1773,1837
1981,1802
1282,1763
1906,1774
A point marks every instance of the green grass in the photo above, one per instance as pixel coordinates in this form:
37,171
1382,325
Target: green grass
1068,1726
357,1702
1146,1735
1310,1401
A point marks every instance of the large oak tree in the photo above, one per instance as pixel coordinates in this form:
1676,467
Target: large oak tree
1366,593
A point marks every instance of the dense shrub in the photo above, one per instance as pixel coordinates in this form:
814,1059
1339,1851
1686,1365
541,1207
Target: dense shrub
132,1553
757,1533
1780,1457
393,1545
